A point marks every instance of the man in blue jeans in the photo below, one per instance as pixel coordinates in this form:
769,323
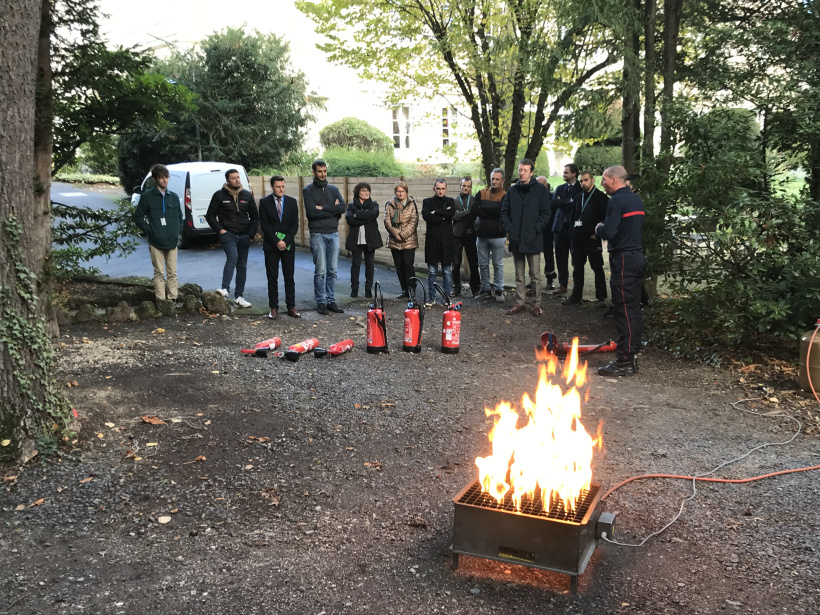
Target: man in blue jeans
232,214
324,206
491,236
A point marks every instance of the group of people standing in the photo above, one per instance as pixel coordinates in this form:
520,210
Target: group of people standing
573,221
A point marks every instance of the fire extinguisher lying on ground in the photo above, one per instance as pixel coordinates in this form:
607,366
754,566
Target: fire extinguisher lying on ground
263,348
334,350
293,353
450,324
414,317
551,344
376,324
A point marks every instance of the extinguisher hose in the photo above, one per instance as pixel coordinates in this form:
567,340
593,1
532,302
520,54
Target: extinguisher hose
444,296
591,350
412,290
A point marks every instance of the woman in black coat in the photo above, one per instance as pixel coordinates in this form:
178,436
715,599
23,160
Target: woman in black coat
363,237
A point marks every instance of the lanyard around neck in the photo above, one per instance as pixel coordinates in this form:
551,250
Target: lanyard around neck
583,204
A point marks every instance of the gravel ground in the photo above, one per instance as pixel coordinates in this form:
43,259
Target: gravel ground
326,486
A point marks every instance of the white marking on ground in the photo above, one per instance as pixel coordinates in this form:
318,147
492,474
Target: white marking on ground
72,194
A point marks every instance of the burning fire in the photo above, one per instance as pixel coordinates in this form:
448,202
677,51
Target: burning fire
552,453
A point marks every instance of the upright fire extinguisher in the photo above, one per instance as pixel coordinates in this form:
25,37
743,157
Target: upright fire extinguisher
414,317
376,323
450,324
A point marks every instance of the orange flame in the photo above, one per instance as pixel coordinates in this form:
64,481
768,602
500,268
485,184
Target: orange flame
552,454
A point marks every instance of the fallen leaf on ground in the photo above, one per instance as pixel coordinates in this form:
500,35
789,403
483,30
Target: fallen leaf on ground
128,453
20,507
5,442
248,467
152,444
196,344
164,520
111,425
153,420
86,480
376,465
158,330
9,479
37,502
259,438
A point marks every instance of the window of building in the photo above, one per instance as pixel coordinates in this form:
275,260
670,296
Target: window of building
401,127
448,115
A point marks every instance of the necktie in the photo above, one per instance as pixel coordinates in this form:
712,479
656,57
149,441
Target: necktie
279,208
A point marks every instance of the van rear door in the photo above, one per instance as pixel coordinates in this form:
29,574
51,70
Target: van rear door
203,186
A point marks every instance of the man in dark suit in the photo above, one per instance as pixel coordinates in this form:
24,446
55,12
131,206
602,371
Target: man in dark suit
279,219
562,226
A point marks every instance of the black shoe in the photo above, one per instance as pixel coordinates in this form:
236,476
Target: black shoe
619,368
368,293
610,312
571,301
354,292
335,308
322,309
550,285
457,292
404,295
550,280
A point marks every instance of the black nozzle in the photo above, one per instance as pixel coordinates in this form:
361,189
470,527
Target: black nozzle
319,352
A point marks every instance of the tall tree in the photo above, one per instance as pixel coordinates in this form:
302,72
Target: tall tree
30,401
506,60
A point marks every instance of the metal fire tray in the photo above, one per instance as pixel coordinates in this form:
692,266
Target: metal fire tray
556,539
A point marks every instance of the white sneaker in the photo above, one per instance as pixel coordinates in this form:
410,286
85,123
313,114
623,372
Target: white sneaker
240,301
222,292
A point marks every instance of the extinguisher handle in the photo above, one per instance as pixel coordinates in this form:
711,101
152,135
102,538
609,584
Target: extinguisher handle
412,288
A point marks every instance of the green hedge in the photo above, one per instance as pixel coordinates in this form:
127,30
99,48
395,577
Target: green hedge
597,158
355,134
86,178
356,163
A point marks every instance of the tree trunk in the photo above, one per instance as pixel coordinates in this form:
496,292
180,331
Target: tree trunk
43,133
29,400
671,29
650,15
630,121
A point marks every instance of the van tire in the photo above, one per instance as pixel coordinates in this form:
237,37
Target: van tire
184,242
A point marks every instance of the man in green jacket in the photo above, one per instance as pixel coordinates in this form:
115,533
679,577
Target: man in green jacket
159,215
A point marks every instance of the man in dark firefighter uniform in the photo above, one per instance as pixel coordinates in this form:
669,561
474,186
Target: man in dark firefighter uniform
627,266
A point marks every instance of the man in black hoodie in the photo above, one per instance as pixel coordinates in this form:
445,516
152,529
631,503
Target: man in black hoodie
524,212
232,214
324,206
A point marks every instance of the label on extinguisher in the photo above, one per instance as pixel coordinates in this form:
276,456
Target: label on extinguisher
408,331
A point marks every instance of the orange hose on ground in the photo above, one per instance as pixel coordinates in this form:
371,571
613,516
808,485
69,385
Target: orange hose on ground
709,480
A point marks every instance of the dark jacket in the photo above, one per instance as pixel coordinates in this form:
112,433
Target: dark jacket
238,216
438,213
275,229
486,211
624,222
365,214
589,209
562,205
325,220
149,213
524,212
463,219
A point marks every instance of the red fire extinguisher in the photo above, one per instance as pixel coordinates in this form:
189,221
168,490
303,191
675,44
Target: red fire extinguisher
293,353
414,318
334,350
450,324
376,324
263,348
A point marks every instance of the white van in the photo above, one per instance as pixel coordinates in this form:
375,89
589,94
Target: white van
195,184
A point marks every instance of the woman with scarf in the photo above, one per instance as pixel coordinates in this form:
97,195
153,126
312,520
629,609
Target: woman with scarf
401,219
363,237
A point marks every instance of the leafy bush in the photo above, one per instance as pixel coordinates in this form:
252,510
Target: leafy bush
82,233
743,251
355,134
356,163
75,177
597,158
98,155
